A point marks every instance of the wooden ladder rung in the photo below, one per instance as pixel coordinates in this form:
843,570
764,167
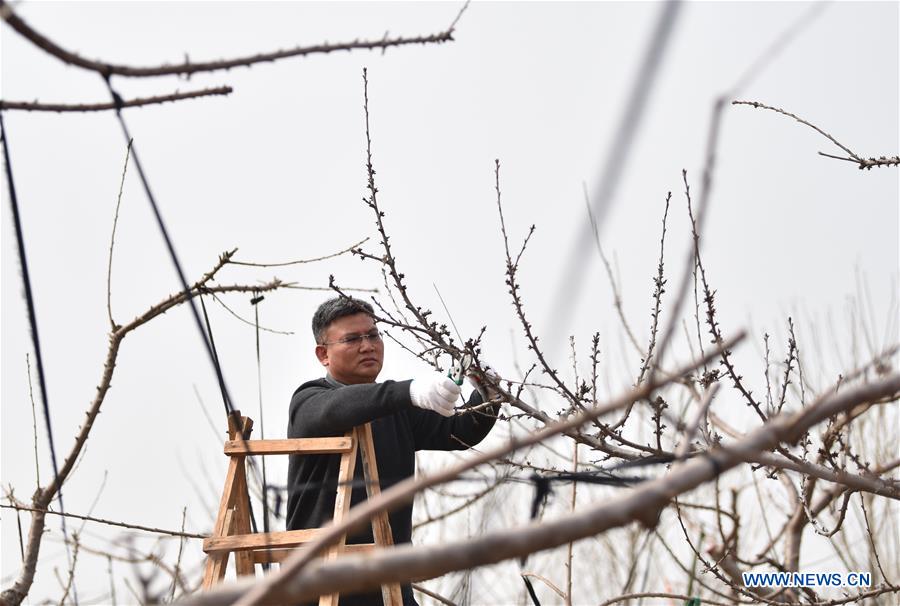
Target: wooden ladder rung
276,556
262,540
292,446
240,542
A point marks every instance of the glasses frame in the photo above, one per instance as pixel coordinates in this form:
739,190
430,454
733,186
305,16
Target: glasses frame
372,337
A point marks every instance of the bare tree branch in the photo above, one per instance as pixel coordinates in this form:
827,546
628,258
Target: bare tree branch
188,68
863,163
34,106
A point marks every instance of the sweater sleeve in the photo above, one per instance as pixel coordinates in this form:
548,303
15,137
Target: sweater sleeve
431,431
319,410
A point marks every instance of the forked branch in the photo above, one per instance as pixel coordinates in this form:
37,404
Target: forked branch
863,163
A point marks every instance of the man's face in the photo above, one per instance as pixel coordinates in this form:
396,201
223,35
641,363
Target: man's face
356,362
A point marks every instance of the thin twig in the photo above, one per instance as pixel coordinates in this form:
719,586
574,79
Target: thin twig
34,106
470,501
178,560
71,575
112,582
709,300
244,320
862,504
770,403
651,594
173,533
112,239
659,288
617,295
708,396
512,267
799,363
302,261
712,143
37,463
569,560
326,288
134,593
788,366
435,596
546,582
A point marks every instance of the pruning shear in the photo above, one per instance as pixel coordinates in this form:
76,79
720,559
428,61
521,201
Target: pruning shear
459,369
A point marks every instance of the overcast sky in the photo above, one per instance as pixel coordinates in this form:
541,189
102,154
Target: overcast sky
277,169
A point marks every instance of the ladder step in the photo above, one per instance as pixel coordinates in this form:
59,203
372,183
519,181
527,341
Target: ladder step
273,556
262,540
292,446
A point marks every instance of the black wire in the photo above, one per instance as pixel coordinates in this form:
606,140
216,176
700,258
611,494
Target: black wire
541,492
35,339
543,489
531,592
543,482
215,353
117,100
207,341
229,408
21,542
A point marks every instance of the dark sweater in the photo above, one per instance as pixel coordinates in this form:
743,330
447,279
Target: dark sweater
324,408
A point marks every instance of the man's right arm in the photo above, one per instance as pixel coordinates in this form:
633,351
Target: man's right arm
318,411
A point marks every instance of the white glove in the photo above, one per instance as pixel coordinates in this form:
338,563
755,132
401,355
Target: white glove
434,391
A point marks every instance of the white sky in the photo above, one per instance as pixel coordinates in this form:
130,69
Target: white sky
277,169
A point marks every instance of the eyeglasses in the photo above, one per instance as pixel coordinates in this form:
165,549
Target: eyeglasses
356,340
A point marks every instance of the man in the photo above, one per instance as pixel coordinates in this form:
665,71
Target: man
406,416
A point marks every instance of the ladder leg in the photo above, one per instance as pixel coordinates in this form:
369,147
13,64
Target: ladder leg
218,562
341,506
381,525
225,522
243,560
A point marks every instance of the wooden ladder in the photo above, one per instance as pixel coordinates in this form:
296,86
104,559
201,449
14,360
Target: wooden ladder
232,529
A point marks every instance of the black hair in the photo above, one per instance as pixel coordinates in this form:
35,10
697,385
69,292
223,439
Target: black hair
335,308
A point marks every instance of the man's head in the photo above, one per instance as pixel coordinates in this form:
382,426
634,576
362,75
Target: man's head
347,341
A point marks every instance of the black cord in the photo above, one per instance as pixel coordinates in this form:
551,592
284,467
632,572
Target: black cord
117,100
229,408
531,592
543,489
215,353
35,339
